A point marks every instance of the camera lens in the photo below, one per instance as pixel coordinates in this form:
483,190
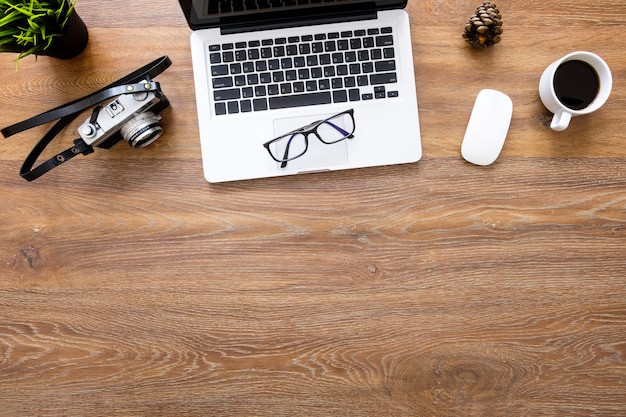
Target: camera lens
142,130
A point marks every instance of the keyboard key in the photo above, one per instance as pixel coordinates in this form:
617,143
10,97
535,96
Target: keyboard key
259,104
233,107
273,90
278,76
220,108
227,94
298,87
248,67
385,66
254,54
279,51
222,82
304,48
298,100
215,58
384,40
245,106
219,70
386,78
260,91
340,96
273,64
316,72
253,79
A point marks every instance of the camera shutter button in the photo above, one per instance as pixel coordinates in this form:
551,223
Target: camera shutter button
88,130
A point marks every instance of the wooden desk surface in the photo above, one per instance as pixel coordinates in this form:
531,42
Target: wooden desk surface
130,286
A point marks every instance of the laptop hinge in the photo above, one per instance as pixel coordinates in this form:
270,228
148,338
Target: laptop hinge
288,22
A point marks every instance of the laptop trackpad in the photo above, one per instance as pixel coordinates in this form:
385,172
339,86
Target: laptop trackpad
318,154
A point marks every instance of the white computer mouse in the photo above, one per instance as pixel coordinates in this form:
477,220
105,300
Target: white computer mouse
487,128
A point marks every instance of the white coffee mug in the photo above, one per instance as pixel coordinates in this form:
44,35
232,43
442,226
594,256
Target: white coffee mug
562,73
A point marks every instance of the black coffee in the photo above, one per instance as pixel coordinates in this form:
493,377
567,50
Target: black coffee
576,84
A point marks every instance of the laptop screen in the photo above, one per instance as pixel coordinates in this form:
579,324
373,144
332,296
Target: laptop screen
252,14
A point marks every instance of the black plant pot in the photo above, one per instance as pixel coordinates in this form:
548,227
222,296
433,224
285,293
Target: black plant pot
72,43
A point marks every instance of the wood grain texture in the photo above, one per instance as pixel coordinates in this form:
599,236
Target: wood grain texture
131,287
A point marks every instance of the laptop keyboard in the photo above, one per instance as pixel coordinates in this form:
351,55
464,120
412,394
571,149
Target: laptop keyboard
321,68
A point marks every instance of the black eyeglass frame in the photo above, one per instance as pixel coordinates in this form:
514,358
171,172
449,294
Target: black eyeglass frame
307,130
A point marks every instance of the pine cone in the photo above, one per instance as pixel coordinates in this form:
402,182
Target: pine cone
484,27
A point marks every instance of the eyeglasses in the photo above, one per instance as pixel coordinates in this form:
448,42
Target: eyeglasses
294,144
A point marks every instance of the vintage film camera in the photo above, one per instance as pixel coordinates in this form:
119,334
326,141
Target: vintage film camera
133,117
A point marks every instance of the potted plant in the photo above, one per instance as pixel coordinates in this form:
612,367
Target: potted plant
41,27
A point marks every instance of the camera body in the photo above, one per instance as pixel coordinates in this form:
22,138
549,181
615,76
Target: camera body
133,117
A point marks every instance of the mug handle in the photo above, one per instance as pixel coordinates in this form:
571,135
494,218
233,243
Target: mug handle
561,120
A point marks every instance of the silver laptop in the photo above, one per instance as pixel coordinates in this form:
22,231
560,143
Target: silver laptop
286,87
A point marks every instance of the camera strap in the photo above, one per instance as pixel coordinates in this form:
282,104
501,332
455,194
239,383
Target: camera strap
66,113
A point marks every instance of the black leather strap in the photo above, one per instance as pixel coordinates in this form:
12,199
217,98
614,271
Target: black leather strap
68,112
